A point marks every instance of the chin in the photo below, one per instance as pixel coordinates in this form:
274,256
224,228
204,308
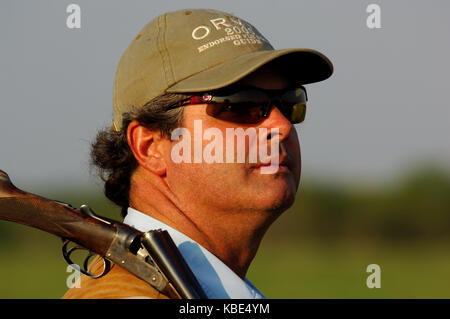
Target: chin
282,205
278,198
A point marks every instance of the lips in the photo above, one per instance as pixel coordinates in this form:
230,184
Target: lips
283,160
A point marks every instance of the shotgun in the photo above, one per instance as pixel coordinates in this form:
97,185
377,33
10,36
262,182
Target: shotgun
151,256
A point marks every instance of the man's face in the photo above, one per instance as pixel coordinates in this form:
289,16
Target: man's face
234,187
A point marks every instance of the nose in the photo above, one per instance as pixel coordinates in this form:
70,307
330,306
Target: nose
276,119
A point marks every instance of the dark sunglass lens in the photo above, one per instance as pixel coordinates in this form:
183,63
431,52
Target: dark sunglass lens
293,96
236,112
298,113
252,106
294,105
246,106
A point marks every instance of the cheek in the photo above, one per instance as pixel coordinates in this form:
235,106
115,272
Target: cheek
204,185
293,149
182,181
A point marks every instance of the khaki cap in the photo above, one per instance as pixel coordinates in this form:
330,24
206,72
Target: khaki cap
197,50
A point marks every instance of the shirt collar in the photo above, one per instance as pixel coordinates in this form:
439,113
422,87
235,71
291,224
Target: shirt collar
217,279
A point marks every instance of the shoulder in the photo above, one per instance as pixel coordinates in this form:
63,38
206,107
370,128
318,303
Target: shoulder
118,283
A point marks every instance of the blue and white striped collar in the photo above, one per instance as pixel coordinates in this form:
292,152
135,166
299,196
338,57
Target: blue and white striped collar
217,280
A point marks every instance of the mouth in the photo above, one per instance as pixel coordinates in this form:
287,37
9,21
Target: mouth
283,164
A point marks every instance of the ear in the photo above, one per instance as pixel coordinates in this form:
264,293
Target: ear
146,145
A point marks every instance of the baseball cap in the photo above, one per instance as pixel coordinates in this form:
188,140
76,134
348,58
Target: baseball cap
198,50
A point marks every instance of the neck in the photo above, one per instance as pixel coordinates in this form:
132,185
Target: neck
233,237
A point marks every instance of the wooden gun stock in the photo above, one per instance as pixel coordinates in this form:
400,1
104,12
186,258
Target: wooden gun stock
53,217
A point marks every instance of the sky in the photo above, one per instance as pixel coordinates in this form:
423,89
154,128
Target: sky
385,108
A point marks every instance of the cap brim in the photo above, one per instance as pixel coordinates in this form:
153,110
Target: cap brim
303,66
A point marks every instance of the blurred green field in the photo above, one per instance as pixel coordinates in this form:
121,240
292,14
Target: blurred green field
320,248
310,270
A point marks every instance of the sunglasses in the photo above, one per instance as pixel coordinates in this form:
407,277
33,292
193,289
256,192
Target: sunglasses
251,105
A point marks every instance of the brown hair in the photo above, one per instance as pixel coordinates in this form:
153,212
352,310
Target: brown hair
113,157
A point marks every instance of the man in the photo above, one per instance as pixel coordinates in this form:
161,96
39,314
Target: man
204,70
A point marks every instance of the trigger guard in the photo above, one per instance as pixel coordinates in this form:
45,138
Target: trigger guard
66,256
